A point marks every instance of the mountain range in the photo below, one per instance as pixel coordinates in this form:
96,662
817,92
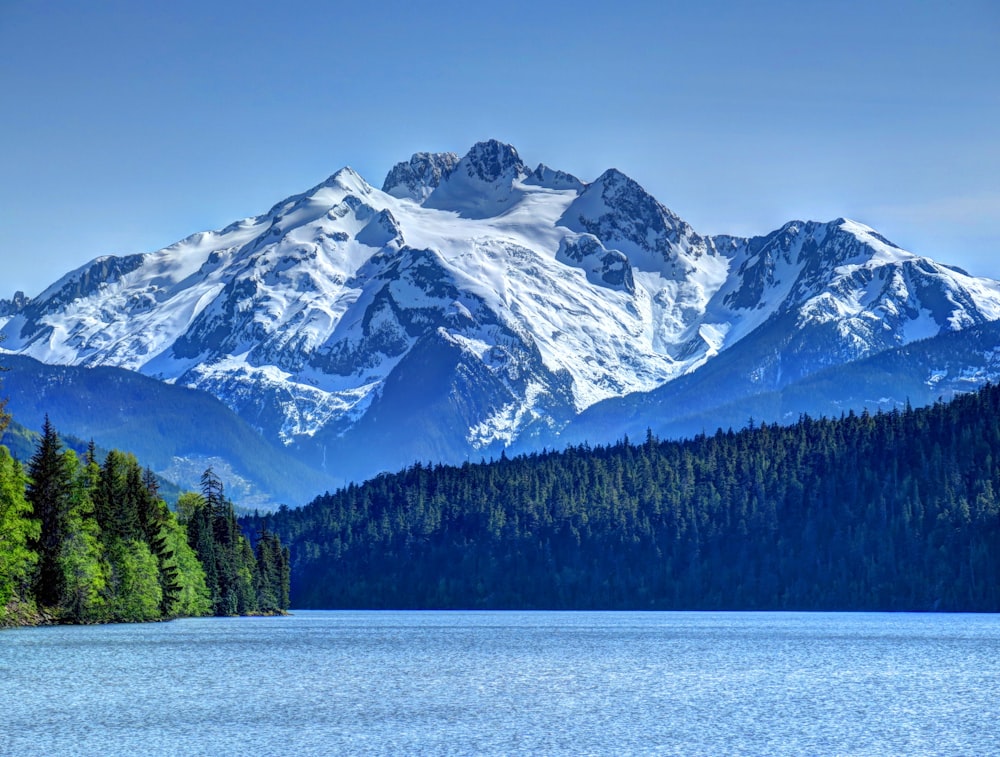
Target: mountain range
473,305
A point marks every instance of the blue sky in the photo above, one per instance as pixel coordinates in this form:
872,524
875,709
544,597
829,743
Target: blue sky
127,126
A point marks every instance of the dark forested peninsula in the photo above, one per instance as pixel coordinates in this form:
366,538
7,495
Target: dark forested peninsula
893,511
82,542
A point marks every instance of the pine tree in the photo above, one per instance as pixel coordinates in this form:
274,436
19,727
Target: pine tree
212,492
214,536
170,575
241,580
132,519
151,511
268,582
49,495
284,574
201,539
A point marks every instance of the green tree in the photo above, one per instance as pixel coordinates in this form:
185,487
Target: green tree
273,574
17,529
240,581
85,570
201,538
117,497
49,495
135,582
268,575
187,504
193,597
136,522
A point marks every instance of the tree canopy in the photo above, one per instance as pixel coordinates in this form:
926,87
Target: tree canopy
84,543
892,511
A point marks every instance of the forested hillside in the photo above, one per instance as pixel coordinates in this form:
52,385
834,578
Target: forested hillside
82,542
894,511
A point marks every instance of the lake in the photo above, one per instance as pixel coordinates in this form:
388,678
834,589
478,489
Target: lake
415,683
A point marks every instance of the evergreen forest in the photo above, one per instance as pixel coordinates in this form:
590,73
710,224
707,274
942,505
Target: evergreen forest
83,542
892,511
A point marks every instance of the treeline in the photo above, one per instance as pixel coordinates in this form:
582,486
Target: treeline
82,542
893,511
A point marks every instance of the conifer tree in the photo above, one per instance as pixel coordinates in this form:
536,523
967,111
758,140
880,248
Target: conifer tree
115,500
268,575
241,580
49,495
170,584
85,569
200,531
141,585
213,492
284,574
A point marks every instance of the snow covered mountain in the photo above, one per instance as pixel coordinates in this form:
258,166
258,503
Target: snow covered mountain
473,304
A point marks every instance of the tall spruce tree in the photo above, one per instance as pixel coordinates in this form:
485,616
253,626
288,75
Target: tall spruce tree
50,496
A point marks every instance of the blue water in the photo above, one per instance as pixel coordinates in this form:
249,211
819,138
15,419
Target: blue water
330,683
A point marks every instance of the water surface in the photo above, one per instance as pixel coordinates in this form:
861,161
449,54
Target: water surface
325,683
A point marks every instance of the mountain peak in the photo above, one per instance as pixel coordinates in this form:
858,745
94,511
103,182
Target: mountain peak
420,175
482,183
623,215
343,183
493,160
863,232
348,179
613,176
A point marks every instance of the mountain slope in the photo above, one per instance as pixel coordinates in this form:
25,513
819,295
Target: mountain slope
918,374
475,304
177,431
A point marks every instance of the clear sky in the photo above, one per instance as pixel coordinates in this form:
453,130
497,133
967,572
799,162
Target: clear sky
129,125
